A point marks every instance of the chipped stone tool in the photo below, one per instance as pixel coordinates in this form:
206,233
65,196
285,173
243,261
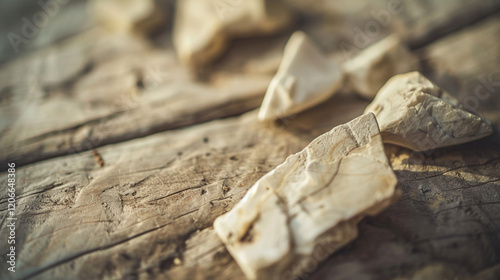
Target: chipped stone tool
306,77
202,28
311,203
415,113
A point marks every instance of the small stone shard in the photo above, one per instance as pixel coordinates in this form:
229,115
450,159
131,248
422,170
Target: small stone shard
415,113
306,77
368,71
309,205
202,28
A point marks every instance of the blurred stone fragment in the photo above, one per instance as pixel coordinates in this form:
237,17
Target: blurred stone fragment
413,112
368,71
309,205
306,77
143,16
202,28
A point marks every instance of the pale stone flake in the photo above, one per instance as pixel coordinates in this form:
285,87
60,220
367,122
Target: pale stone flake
127,15
306,77
413,112
203,27
369,70
308,207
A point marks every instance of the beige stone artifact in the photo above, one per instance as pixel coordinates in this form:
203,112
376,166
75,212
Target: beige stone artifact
127,15
203,27
369,70
306,77
309,206
415,113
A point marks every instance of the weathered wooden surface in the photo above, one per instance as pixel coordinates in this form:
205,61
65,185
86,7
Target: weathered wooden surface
147,213
111,99
77,77
347,27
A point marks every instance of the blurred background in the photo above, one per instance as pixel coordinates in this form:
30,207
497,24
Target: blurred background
67,62
77,76
417,21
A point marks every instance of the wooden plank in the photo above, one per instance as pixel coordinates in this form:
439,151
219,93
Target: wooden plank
147,212
65,20
70,97
164,188
356,25
466,64
139,215
76,97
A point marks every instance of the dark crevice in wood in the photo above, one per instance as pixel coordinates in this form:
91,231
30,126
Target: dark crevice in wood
71,129
473,186
232,109
459,23
45,189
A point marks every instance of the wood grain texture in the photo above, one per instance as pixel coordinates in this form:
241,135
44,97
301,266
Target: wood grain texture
74,78
419,23
75,97
164,187
147,212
